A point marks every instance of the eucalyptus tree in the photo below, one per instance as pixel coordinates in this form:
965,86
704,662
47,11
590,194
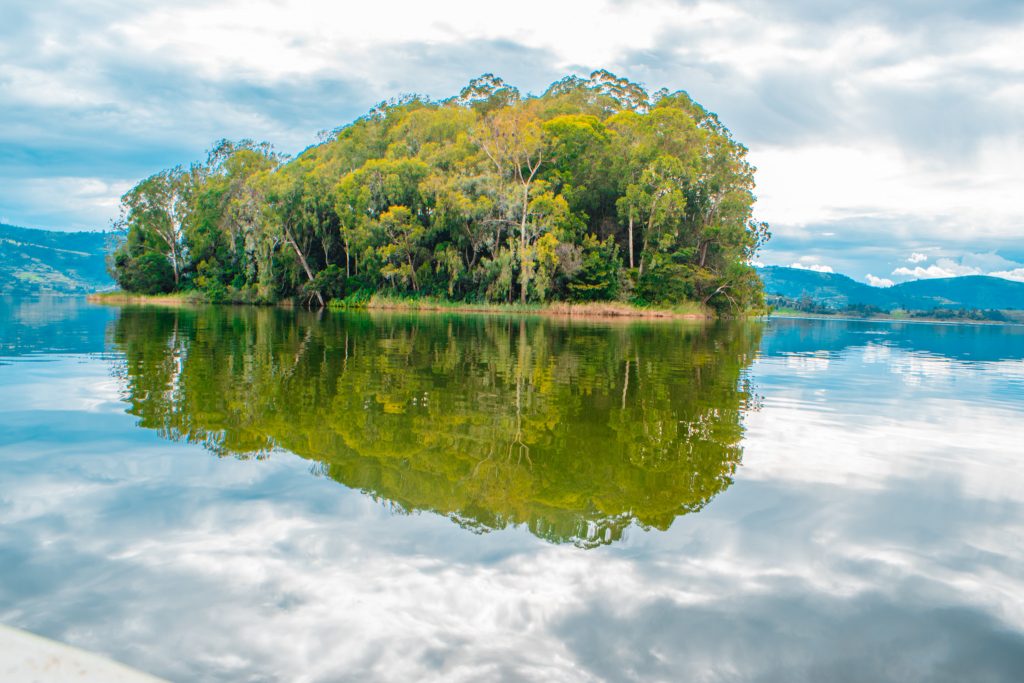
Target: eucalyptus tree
284,193
156,210
512,138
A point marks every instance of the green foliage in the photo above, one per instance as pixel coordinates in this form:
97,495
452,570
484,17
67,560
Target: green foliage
149,273
357,297
598,276
331,282
216,292
486,196
663,281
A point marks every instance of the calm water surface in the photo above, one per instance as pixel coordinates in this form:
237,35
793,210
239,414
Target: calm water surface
261,495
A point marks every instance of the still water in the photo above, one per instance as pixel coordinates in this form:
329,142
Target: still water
262,495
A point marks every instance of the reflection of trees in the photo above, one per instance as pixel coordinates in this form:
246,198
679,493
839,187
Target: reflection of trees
576,431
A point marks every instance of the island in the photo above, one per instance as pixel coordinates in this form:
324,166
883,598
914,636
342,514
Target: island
594,191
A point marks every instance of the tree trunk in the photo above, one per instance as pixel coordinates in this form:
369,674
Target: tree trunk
643,249
412,272
721,289
647,232
631,239
522,244
302,260
625,384
172,245
174,265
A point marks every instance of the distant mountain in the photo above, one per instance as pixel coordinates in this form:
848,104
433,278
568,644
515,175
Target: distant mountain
42,260
970,291
831,290
835,291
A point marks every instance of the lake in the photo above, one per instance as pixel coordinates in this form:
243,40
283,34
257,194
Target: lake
240,494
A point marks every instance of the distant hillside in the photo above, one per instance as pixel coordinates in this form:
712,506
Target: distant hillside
828,289
836,291
972,291
42,260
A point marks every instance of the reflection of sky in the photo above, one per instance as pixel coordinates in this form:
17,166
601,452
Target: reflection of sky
874,532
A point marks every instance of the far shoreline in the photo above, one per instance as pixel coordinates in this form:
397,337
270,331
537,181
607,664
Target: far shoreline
890,319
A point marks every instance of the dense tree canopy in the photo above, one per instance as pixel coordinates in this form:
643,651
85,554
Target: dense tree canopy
595,190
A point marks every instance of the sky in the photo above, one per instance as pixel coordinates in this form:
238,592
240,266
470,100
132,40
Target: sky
888,135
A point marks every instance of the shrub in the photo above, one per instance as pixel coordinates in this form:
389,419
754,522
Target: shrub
150,273
598,275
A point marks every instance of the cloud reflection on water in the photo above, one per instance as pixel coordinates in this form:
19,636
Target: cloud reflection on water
875,531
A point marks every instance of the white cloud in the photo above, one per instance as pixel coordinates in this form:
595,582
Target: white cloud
879,281
91,202
279,38
1015,274
804,185
970,264
816,267
944,268
917,257
920,273
988,262
835,117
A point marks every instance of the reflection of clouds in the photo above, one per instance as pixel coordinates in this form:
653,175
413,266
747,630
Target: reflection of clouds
874,429
797,440
876,353
1007,369
875,532
374,613
917,368
739,640
90,389
816,361
259,590
907,498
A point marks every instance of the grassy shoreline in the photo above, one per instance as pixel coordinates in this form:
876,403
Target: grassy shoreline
564,309
120,298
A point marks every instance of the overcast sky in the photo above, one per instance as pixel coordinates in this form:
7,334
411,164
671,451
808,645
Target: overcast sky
888,135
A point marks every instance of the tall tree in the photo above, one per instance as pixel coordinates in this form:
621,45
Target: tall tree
512,138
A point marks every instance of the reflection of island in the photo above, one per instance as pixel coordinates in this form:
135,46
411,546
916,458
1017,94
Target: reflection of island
575,431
